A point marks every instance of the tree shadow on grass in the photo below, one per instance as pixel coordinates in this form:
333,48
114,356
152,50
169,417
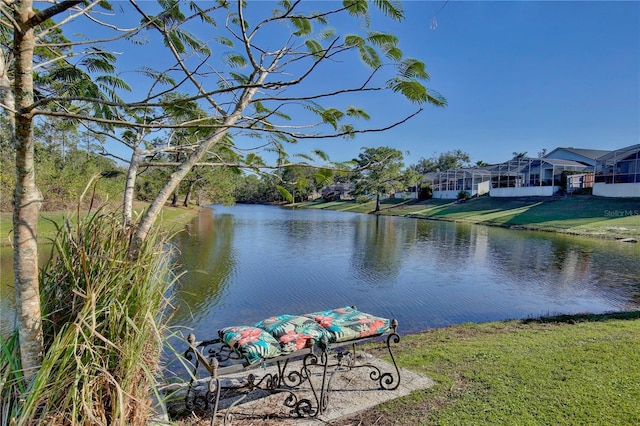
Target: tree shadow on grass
573,319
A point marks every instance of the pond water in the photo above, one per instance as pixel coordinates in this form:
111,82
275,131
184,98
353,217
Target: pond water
247,262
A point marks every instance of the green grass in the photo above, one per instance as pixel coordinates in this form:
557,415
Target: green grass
580,215
170,219
569,371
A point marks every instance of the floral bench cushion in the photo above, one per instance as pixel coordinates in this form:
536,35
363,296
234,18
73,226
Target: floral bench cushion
345,324
253,343
294,332
284,334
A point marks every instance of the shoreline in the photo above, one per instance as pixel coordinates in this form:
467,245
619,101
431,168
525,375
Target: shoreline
582,216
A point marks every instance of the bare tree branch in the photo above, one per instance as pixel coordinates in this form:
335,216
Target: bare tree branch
43,15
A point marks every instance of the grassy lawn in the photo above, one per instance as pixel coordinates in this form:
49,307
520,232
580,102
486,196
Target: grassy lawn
580,215
567,370
171,219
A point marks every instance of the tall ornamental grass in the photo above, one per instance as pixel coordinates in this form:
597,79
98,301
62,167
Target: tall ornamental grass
104,322
11,383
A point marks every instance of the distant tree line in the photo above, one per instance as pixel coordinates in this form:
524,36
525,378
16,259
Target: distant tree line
68,159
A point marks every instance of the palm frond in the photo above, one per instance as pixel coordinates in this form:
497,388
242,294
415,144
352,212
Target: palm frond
321,154
113,81
369,56
348,131
357,113
435,98
393,53
304,156
326,34
414,91
234,60
332,116
99,61
303,26
284,193
314,47
252,159
313,107
158,76
352,40
204,16
240,78
413,68
224,41
382,39
356,7
392,9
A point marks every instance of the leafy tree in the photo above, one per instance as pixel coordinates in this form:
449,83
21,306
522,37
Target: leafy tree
412,178
379,171
217,186
303,181
519,154
247,189
255,90
449,160
35,73
263,99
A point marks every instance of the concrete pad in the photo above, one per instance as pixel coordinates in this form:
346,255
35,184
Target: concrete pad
352,391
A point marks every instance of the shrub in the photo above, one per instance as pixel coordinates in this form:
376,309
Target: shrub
463,195
103,328
426,193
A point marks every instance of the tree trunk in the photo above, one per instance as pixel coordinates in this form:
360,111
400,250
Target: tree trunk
377,203
151,214
129,189
174,198
27,201
6,94
187,198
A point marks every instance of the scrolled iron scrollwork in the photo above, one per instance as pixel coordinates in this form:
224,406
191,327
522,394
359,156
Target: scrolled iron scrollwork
300,407
314,368
293,378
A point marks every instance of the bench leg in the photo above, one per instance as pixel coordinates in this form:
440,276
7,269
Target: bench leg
386,380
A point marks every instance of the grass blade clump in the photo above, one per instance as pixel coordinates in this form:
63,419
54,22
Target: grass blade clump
11,379
103,325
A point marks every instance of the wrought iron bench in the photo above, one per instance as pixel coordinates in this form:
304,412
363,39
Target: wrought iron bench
320,344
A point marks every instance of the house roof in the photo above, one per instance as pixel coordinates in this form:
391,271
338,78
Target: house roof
592,154
517,165
455,173
620,154
346,186
559,162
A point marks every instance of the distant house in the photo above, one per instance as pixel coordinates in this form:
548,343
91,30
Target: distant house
581,155
341,191
576,182
579,181
448,184
617,174
532,177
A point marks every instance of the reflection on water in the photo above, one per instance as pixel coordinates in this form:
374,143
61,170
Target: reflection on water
206,260
7,291
244,263
241,264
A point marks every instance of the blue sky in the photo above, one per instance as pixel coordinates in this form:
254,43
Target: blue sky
520,76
